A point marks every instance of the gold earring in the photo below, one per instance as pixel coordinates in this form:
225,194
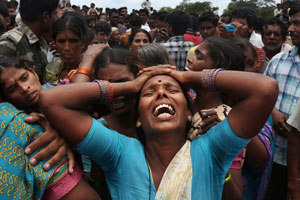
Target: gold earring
138,124
189,118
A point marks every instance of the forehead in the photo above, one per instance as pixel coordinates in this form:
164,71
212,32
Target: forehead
11,74
202,47
140,35
296,16
160,79
67,33
206,23
114,70
273,27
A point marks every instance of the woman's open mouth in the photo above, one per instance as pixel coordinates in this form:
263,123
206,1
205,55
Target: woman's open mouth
163,110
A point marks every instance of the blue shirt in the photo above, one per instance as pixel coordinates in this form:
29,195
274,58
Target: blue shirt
123,161
285,69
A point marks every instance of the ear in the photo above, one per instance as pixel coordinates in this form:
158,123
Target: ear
45,17
7,21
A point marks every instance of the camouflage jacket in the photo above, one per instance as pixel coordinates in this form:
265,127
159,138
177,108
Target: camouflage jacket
21,43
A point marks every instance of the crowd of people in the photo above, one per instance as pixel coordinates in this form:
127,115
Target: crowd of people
106,104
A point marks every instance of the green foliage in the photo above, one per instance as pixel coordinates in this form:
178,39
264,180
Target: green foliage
264,8
190,7
168,9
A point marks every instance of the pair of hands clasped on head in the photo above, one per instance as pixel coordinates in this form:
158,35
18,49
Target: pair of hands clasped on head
209,118
56,146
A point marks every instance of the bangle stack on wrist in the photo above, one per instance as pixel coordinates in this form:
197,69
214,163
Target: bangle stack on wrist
106,91
208,79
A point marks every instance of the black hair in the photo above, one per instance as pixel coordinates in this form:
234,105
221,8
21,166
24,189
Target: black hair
246,13
132,35
260,23
30,10
122,8
278,22
294,9
208,16
113,11
225,18
2,28
179,21
162,16
144,10
73,21
285,19
102,27
116,55
225,54
135,20
12,21
89,37
3,10
244,45
194,24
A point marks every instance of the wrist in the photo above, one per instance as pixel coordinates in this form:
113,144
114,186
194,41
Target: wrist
84,70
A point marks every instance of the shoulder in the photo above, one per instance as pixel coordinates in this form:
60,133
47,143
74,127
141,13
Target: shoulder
15,35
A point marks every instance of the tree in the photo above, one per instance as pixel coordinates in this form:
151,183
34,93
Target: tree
264,8
189,7
167,9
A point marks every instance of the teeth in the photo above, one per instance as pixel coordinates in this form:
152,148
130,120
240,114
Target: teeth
163,106
164,115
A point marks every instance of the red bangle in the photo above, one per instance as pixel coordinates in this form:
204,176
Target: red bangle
84,70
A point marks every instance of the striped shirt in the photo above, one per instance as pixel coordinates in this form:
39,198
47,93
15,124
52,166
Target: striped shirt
285,68
178,47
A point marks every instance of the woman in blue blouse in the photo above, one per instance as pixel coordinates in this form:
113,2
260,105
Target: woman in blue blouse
163,164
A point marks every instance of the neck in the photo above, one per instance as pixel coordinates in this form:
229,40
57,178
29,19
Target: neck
206,100
74,65
34,27
270,54
121,123
161,149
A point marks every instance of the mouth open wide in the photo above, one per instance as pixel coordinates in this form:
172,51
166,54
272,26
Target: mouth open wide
163,110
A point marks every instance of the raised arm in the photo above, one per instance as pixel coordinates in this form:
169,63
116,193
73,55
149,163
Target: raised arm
86,71
64,105
255,95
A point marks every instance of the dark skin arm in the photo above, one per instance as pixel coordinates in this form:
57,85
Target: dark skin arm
88,59
293,164
64,113
255,97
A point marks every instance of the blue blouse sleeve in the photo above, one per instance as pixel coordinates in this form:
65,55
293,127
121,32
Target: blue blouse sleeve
222,143
103,145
